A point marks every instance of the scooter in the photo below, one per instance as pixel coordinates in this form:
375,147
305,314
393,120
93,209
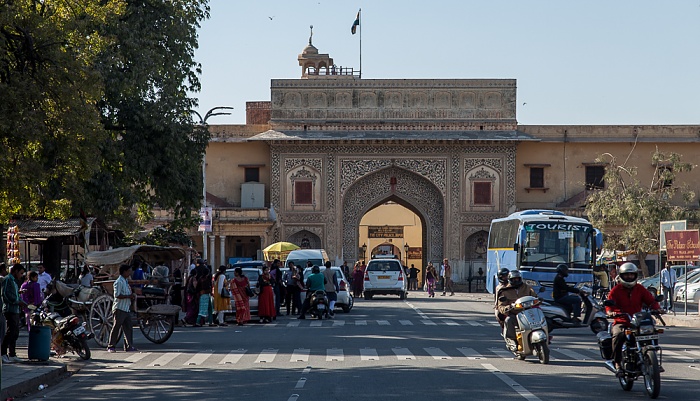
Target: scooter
531,333
67,333
592,313
319,304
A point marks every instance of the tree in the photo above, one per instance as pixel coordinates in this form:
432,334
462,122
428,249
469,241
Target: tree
95,112
629,212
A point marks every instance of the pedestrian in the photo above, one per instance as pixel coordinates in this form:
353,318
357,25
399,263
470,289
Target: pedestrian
3,323
238,286
277,286
346,270
30,292
121,307
176,289
668,282
447,277
291,280
358,281
221,304
86,278
191,298
44,277
205,287
331,287
266,301
431,279
413,277
137,273
11,309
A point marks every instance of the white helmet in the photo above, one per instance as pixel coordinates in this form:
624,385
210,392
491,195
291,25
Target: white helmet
627,268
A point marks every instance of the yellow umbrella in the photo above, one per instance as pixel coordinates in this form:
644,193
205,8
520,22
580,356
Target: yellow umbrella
278,250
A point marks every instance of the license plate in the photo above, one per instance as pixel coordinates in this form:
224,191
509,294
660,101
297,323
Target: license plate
383,277
80,330
321,306
650,337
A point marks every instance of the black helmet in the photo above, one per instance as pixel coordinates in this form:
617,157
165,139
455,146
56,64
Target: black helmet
503,275
563,270
315,269
515,279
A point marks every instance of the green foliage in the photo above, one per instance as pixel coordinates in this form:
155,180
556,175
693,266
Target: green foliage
95,112
629,212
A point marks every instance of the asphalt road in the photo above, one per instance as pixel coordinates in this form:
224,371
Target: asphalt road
445,348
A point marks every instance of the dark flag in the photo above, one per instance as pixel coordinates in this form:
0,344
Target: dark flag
355,24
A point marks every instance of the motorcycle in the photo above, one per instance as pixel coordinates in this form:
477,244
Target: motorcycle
593,314
67,333
641,353
319,304
531,333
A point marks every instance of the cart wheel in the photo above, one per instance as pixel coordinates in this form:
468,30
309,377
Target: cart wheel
157,328
101,319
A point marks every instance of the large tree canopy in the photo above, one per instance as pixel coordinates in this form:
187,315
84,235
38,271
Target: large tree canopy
629,211
95,112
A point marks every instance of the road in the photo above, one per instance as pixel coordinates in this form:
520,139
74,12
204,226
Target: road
445,348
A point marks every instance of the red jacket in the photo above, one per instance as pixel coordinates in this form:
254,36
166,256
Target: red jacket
630,300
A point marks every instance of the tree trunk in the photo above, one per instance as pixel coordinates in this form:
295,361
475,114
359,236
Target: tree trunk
642,256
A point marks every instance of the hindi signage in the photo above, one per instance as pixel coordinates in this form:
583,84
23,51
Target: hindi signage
682,245
385,231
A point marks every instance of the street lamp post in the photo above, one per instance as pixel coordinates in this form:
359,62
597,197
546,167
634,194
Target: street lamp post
214,111
405,248
364,250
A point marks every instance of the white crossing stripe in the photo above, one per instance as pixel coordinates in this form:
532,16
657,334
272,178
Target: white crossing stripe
339,323
450,323
270,325
137,357
316,323
511,383
502,353
406,322
437,353
470,353
383,322
165,359
293,397
233,356
301,382
403,353
360,323
428,322
294,323
300,355
696,353
368,354
334,354
197,359
267,356
473,323
572,354
492,323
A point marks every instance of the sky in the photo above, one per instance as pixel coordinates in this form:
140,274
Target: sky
596,62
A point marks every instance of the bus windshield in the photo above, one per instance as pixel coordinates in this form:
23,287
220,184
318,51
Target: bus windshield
550,243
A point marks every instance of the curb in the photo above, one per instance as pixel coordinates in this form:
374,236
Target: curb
30,386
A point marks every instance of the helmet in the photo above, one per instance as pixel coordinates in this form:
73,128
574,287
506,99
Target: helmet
515,278
503,275
628,274
563,270
315,270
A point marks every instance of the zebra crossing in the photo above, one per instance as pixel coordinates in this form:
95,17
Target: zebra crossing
304,356
381,322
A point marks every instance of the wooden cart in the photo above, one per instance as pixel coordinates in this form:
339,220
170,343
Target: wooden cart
152,310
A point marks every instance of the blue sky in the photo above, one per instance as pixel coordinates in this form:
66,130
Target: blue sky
576,62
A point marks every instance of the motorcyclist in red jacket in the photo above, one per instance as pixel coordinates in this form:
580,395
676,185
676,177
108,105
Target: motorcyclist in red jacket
629,297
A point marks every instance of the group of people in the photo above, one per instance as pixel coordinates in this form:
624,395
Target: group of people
443,278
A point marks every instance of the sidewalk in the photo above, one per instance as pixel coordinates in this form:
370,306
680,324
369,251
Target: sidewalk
23,378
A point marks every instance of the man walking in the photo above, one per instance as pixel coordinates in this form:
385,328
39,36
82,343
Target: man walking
413,277
447,277
11,304
44,277
668,281
120,310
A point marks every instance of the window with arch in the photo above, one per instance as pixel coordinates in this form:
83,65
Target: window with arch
304,188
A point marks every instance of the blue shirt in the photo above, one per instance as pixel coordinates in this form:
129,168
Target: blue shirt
121,287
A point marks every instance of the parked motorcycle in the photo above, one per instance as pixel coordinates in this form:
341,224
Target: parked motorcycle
319,304
67,333
531,333
592,314
641,353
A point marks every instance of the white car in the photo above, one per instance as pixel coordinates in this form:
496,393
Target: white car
385,276
693,290
345,300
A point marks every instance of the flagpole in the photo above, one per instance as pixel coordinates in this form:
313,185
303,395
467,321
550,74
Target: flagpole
359,13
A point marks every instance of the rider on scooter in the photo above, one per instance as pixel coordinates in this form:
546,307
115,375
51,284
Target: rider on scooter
502,282
509,294
560,292
629,298
315,282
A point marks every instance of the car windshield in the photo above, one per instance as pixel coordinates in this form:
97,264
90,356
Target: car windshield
384,267
338,273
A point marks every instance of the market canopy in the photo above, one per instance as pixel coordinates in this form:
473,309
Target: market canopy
279,250
152,254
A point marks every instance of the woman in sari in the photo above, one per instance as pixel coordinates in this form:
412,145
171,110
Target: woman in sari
240,297
205,309
221,304
266,299
431,278
191,298
357,281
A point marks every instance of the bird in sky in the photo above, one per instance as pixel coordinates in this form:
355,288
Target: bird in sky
524,103
271,17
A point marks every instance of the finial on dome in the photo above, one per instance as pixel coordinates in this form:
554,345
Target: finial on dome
312,34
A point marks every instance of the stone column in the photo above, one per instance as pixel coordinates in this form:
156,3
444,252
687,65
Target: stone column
212,253
222,251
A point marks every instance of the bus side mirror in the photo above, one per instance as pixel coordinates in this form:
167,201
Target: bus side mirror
598,241
516,247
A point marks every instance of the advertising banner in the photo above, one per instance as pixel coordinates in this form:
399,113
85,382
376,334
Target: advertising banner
682,245
205,219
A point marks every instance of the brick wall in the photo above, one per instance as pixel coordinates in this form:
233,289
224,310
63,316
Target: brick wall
257,112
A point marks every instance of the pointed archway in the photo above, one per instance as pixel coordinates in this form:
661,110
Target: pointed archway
409,189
